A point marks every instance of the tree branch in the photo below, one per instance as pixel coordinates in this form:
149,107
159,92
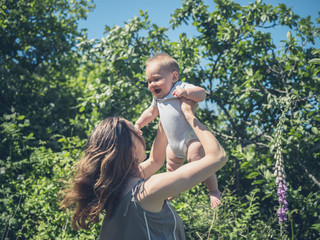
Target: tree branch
228,116
315,148
271,26
313,178
225,136
244,141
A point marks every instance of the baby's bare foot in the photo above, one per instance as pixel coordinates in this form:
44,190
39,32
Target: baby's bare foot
215,199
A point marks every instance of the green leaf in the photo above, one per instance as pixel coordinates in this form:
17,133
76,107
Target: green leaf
244,164
252,175
314,61
82,109
21,117
258,182
315,130
289,35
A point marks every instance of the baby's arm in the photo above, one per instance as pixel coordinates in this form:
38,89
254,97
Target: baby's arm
147,116
197,94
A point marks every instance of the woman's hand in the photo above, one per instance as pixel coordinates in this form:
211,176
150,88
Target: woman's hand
188,107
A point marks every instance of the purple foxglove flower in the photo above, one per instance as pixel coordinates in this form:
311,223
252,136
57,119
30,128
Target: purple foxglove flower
279,193
279,212
281,199
281,218
279,173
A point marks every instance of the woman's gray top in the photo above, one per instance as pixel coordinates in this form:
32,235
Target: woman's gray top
130,221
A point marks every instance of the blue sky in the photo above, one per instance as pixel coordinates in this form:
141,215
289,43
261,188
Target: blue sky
116,12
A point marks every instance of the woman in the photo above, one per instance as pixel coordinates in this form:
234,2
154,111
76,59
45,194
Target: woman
112,178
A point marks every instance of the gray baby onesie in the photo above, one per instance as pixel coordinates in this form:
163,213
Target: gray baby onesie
176,127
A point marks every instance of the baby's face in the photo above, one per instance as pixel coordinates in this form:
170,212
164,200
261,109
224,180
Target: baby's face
160,80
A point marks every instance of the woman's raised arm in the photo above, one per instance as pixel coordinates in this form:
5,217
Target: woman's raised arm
157,155
161,186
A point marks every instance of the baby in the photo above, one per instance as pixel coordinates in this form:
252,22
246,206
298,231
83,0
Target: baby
162,74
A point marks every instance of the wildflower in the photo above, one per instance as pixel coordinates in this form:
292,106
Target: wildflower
282,214
279,173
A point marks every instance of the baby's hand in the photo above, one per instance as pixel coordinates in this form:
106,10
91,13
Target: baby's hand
215,199
180,92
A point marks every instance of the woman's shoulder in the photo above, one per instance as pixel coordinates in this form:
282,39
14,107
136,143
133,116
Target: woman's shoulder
132,185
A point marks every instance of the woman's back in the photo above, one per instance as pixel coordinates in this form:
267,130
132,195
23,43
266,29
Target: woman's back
130,221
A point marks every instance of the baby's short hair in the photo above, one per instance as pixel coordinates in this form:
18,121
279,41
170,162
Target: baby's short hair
165,60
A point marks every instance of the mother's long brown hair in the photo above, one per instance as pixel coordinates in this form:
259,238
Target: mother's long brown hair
102,172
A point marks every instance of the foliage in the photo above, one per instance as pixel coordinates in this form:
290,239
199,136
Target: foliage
56,85
250,80
232,220
113,70
37,57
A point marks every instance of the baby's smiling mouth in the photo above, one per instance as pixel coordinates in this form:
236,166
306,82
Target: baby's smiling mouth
157,90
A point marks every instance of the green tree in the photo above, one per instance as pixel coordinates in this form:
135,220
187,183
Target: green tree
251,82
37,56
112,70
56,85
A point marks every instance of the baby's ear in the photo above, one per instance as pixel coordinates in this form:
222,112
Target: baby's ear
175,76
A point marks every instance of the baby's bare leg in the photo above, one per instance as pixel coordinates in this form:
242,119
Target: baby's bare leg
173,162
194,153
